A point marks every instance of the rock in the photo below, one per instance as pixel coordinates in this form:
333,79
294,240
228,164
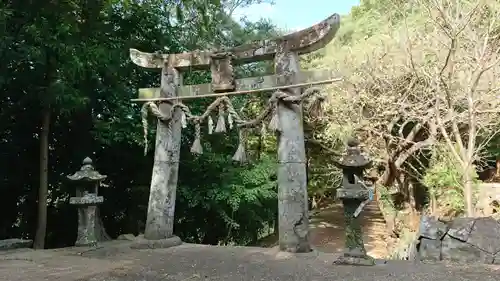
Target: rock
455,250
460,228
431,228
463,240
15,243
429,250
129,237
496,259
142,243
486,235
356,260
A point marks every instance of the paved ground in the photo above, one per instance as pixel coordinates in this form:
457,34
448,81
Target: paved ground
195,262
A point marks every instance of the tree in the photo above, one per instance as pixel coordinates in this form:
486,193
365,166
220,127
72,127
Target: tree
89,113
429,80
463,85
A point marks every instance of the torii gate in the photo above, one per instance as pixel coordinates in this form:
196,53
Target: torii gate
288,81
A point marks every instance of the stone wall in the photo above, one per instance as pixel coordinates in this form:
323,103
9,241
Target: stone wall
465,240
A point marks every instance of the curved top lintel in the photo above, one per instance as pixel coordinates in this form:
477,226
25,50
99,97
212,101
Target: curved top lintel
302,42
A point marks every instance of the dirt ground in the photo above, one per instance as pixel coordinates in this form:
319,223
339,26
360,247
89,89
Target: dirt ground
327,230
117,262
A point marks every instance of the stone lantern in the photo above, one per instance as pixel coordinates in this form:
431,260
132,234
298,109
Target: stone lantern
90,228
354,194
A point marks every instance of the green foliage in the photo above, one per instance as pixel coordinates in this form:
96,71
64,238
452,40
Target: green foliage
385,196
74,56
445,181
232,203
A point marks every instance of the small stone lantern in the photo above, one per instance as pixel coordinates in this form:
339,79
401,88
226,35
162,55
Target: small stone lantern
354,196
90,230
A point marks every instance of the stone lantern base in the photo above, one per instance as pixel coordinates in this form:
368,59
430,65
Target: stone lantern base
352,258
90,227
142,243
355,252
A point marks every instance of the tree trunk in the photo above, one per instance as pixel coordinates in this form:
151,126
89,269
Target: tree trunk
433,199
39,242
469,206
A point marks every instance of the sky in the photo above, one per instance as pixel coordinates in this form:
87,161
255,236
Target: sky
294,15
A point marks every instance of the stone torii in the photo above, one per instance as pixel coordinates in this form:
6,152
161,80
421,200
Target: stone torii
288,78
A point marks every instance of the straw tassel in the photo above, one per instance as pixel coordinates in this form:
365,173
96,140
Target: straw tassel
316,106
240,155
221,122
210,125
196,148
274,124
230,120
144,116
263,130
183,119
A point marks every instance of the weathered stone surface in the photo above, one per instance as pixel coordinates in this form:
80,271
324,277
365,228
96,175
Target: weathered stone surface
129,237
15,243
88,199
161,207
460,228
485,235
496,259
456,250
292,179
429,250
222,72
431,228
353,157
347,259
300,42
87,226
468,240
142,243
87,172
244,84
347,193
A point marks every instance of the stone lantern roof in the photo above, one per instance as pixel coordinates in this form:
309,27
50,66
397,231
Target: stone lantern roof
353,157
87,173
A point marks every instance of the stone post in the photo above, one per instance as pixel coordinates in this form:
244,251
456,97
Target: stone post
161,209
90,228
293,213
354,196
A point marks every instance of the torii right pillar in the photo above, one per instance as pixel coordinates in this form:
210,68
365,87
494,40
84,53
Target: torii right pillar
293,209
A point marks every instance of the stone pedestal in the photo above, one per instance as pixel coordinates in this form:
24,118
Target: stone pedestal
354,252
88,227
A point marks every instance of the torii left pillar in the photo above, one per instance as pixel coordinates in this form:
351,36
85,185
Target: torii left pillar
159,232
